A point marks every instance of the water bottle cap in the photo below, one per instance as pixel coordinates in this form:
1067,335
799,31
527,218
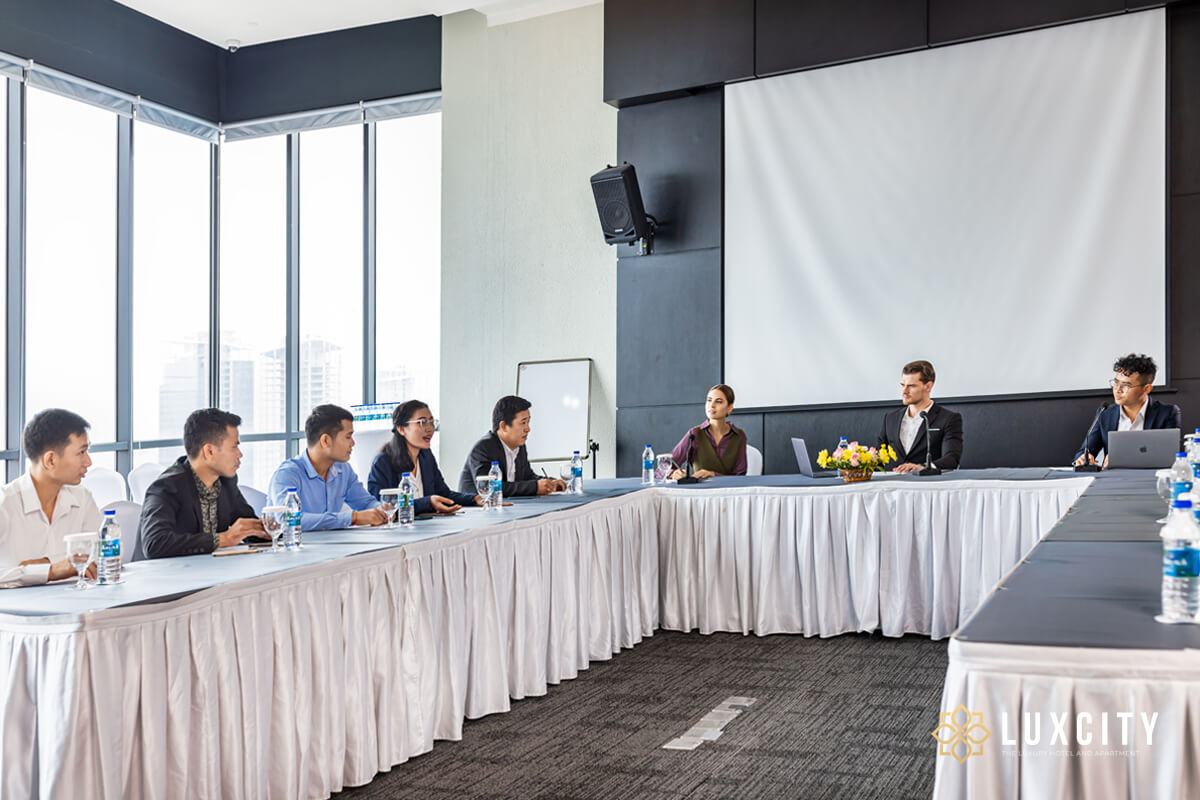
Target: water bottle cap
495,463
1180,503
405,474
291,489
576,452
1181,455
110,513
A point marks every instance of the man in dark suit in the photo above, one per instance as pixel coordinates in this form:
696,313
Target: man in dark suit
1133,408
922,426
506,446
195,506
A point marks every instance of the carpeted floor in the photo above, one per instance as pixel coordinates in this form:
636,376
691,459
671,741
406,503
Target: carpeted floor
847,717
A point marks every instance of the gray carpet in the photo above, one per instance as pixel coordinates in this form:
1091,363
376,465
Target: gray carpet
835,718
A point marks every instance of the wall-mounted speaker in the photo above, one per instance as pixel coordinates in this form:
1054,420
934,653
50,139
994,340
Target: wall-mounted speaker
619,203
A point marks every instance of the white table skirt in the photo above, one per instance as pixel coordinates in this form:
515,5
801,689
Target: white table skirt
299,683
1025,757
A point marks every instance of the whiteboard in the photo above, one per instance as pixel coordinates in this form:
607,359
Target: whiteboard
560,419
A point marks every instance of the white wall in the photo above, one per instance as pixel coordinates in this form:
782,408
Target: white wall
525,272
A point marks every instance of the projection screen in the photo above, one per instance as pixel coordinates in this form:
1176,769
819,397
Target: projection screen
996,207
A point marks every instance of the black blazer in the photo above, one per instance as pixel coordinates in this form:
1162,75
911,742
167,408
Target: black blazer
384,476
946,428
1159,416
479,462
170,524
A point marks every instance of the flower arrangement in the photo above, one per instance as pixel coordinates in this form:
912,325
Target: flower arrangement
857,462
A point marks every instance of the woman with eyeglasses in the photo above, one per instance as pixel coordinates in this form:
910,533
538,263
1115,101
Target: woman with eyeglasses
413,426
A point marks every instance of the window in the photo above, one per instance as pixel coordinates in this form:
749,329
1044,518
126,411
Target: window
170,284
71,191
259,462
408,258
4,87
331,267
253,271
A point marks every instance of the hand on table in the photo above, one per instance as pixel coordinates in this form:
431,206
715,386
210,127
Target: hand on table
62,569
905,468
548,485
370,516
239,530
1088,458
442,505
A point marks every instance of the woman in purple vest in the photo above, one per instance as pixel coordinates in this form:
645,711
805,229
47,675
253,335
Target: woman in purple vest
714,447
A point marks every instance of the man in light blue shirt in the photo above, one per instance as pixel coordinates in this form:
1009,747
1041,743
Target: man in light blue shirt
324,479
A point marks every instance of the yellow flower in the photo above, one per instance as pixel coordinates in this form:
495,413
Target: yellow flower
823,458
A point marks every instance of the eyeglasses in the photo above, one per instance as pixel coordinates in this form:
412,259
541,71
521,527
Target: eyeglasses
424,422
1124,386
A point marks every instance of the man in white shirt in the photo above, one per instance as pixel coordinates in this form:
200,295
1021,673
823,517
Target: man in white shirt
45,504
505,444
1132,409
922,431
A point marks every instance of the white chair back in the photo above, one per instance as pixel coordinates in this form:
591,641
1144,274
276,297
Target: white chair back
366,447
106,485
754,460
256,499
140,478
128,516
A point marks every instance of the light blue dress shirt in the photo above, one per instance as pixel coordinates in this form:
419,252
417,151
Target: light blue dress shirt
321,501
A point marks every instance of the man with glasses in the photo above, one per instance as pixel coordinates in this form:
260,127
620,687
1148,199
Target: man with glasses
324,479
1133,408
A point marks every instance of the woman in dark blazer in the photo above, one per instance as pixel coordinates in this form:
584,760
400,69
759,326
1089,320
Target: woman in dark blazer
408,450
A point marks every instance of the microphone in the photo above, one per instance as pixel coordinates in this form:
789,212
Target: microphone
929,468
688,477
1095,420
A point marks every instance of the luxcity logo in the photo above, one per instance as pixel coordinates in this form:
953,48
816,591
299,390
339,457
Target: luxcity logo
962,733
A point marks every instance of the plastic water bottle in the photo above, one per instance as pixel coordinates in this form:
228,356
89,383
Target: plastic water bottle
576,473
1194,454
843,443
496,479
291,536
406,512
647,467
1181,565
1182,476
108,568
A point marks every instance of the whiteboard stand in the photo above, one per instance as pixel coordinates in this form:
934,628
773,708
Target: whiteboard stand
561,393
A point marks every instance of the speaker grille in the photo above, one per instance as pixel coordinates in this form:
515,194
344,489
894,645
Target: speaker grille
619,204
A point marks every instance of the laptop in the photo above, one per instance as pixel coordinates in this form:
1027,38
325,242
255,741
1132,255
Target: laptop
1142,449
802,457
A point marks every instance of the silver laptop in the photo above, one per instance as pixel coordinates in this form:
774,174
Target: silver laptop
802,457
1142,449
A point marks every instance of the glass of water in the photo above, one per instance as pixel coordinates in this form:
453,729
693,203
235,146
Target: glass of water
81,551
274,520
391,497
483,488
1163,477
664,465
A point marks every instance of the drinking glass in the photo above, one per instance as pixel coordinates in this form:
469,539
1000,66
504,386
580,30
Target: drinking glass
566,474
664,465
391,497
274,520
81,551
1164,491
483,488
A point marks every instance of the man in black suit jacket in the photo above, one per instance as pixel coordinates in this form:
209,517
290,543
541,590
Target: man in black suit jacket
940,434
1132,410
506,446
195,506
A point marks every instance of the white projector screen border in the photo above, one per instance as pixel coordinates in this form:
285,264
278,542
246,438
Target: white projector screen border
997,207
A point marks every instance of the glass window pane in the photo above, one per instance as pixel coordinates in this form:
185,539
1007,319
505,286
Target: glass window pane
331,290
164,456
408,254
259,462
4,85
170,280
254,282
71,260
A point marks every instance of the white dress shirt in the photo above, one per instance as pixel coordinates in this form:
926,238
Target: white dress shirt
910,426
418,487
510,458
25,532
1138,421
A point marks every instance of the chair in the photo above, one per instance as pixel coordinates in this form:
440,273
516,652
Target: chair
106,485
256,499
128,515
366,447
754,460
140,479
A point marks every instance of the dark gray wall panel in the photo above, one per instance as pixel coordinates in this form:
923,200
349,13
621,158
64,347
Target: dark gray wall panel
795,34
115,46
677,148
1183,35
332,69
956,20
668,328
1185,287
656,48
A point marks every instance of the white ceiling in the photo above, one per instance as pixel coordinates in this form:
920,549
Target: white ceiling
256,21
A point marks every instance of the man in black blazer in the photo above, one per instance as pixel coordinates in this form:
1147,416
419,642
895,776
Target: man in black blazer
506,446
195,506
1133,408
910,435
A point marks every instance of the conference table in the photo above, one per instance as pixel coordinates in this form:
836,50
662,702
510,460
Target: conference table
296,674
1081,692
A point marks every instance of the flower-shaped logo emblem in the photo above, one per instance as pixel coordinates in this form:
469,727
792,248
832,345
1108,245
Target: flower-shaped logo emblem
961,734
